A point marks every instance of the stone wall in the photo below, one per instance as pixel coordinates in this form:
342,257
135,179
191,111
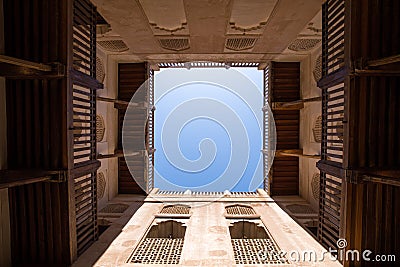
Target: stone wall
308,117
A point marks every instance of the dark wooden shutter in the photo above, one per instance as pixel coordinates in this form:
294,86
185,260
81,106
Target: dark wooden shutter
130,77
333,103
51,129
285,87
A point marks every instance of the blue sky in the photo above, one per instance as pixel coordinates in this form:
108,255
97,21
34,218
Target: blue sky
208,126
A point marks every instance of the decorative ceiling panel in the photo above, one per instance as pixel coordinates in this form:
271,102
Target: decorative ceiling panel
174,44
240,43
250,16
166,17
314,27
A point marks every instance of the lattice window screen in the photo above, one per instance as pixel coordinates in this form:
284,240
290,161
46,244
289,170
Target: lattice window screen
163,244
317,72
303,44
239,210
100,128
177,209
317,129
101,185
113,45
256,251
100,70
253,244
158,251
315,185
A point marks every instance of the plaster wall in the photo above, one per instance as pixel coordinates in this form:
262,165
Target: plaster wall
109,167
207,238
308,116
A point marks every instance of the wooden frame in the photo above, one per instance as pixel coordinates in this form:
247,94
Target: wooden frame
42,151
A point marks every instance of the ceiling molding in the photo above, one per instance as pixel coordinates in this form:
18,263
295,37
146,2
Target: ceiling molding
250,16
165,17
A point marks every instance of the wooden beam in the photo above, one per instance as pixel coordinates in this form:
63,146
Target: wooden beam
383,61
89,167
110,100
359,72
19,72
331,169
333,78
294,153
294,105
124,105
116,155
83,79
25,63
7,183
12,178
380,180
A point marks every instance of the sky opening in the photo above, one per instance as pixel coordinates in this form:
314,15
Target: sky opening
208,129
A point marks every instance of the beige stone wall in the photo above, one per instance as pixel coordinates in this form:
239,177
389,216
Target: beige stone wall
207,237
109,167
5,252
308,115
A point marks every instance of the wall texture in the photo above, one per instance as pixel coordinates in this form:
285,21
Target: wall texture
308,116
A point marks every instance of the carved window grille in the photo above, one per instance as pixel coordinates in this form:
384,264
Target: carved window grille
256,251
113,45
315,186
239,210
317,129
317,72
303,44
158,251
253,244
174,44
163,244
100,70
100,128
240,43
175,209
101,185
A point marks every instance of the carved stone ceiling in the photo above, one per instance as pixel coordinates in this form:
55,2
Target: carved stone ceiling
203,27
250,16
167,17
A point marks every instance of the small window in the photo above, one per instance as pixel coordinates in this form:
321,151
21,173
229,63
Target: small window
175,209
239,210
252,244
162,245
